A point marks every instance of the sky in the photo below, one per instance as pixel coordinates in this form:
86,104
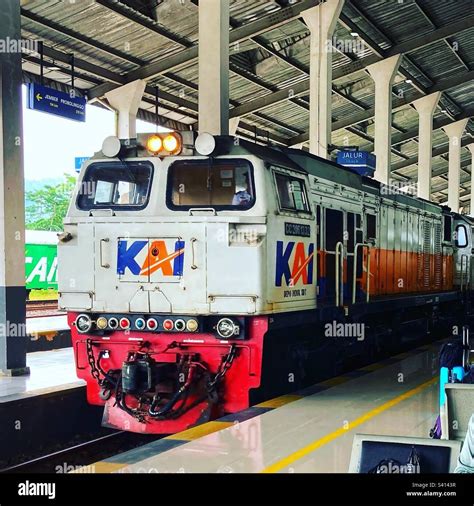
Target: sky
52,143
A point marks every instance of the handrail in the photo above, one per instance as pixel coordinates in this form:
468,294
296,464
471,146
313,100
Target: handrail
462,271
105,265
354,278
339,273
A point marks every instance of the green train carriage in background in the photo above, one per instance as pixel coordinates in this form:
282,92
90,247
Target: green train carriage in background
41,261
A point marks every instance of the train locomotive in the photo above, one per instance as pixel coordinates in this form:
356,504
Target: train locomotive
202,275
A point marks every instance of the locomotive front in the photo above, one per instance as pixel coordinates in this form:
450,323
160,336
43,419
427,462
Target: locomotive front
167,315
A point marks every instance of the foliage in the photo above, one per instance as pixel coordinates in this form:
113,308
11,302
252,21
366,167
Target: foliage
47,206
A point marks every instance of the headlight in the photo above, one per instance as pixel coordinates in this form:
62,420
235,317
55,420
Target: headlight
226,328
83,323
171,144
154,144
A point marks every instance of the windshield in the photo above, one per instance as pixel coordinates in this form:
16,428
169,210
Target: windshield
217,183
115,185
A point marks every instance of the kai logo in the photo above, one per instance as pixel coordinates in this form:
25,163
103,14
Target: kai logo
294,263
145,257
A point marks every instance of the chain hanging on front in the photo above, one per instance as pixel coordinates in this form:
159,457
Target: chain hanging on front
92,363
223,368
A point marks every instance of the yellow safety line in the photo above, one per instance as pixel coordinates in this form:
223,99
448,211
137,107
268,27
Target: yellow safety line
277,466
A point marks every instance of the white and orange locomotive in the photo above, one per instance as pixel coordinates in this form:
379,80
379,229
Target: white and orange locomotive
202,275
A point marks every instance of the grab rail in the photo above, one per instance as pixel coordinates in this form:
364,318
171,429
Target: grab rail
462,271
354,277
339,273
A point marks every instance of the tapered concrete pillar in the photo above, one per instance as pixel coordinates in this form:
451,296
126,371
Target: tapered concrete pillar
126,101
233,125
13,339
321,21
214,66
426,107
471,208
383,73
454,131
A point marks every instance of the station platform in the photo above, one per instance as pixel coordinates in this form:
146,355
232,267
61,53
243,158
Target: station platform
46,410
310,431
50,371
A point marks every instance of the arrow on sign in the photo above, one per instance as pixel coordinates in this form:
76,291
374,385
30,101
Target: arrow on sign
39,97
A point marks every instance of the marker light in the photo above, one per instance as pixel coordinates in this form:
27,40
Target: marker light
140,323
192,325
101,323
154,144
124,323
113,323
83,323
180,325
171,144
168,324
152,324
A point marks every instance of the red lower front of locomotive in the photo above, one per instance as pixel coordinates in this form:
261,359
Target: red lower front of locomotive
165,382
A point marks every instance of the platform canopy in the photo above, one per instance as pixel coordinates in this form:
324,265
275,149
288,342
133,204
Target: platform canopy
118,41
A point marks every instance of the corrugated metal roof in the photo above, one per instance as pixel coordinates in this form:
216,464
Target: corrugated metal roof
117,36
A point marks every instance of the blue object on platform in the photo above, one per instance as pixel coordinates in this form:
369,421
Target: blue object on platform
361,162
44,99
457,372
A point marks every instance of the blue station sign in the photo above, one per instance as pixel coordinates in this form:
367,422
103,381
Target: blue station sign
362,162
44,99
78,162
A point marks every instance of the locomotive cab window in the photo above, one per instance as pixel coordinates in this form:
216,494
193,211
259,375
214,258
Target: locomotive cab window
115,185
461,236
291,193
223,184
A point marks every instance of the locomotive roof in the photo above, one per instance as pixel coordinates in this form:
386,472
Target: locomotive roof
302,161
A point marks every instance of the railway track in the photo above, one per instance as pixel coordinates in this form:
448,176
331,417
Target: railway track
83,454
36,308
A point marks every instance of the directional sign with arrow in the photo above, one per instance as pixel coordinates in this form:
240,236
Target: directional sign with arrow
42,98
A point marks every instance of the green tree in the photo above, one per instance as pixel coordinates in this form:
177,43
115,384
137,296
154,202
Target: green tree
48,205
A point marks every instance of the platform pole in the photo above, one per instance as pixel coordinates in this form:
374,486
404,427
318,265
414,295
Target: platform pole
383,73
214,66
321,21
426,107
470,147
454,132
13,339
126,101
233,125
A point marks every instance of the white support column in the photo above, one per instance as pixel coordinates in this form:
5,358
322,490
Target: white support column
471,208
454,131
13,339
321,21
383,73
214,66
426,107
233,125
126,101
